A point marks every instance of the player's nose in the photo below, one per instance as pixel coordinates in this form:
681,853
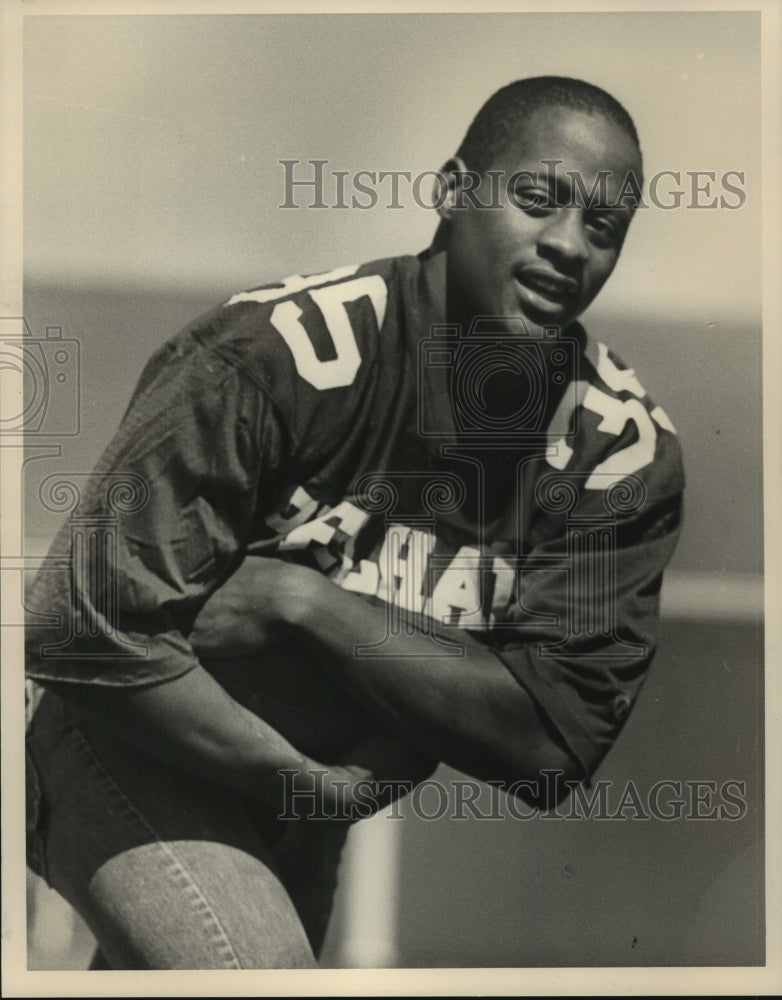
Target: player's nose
563,240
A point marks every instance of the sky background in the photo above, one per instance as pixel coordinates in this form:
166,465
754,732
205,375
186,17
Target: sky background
152,144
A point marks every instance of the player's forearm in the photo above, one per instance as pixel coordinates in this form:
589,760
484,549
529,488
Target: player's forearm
193,724
468,711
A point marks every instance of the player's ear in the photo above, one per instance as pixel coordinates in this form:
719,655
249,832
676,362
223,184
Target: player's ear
451,174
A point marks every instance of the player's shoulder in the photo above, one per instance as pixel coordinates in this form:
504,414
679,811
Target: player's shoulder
347,282
314,344
314,324
623,429
604,368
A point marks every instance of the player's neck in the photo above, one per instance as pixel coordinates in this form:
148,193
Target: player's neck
432,279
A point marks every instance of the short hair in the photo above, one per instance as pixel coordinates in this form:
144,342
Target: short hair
507,110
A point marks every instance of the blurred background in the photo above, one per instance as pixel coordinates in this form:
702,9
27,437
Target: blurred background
153,186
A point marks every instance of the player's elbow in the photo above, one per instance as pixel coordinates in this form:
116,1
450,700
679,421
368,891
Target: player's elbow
543,780
536,763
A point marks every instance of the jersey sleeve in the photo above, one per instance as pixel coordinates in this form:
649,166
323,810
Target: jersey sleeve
583,626
157,527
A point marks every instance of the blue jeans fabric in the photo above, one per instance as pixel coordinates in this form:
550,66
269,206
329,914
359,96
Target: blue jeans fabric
169,871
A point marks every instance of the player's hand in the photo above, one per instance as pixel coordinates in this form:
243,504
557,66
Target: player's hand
388,759
248,613
374,772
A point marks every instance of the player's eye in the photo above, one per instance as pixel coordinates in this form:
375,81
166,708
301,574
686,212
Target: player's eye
534,201
605,230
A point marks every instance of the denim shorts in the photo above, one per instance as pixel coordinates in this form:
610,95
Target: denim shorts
169,870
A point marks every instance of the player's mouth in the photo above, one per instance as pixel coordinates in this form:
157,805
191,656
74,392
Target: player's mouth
547,290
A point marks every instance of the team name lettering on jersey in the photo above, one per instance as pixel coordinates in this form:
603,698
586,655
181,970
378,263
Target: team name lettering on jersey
463,588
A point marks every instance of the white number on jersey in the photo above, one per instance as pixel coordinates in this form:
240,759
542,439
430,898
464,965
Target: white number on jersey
330,300
615,413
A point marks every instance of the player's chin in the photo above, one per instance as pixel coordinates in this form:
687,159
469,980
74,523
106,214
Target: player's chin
287,687
554,315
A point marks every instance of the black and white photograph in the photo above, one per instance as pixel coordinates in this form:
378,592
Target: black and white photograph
388,584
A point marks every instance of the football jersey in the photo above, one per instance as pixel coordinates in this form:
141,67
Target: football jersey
500,485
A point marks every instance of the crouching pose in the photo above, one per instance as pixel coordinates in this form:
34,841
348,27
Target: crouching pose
369,520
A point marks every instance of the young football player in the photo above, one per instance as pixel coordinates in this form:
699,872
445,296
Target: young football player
372,519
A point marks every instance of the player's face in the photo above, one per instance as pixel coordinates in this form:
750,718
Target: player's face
550,248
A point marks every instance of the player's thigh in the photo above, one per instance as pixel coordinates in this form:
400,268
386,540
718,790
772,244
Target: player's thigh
167,870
